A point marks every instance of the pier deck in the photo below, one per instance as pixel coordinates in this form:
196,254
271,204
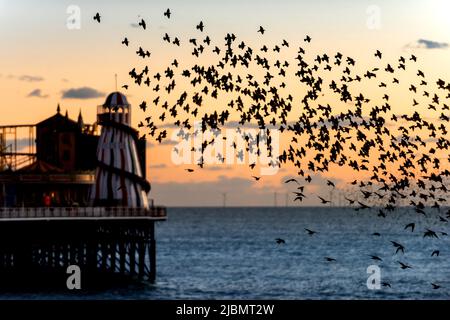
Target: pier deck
99,240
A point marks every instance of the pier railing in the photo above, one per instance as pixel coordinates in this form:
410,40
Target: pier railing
21,213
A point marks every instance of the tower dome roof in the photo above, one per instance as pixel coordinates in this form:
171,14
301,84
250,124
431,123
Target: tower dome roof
115,99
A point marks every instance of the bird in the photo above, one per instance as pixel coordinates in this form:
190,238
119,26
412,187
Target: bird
261,30
398,246
291,180
256,178
125,41
378,54
386,284
125,86
167,13
430,234
323,200
143,106
307,39
280,241
435,286
376,258
403,265
97,17
330,183
435,253
310,232
200,26
142,24
410,225
329,259
350,201
189,170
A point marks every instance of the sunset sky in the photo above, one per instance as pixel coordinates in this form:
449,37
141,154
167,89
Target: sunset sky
43,63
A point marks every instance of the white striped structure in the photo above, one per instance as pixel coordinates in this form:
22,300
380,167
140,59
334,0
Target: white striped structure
119,177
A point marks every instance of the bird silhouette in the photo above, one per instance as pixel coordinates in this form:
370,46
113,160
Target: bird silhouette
435,286
323,201
378,54
280,241
200,26
97,17
143,24
375,258
330,183
403,265
167,13
398,246
291,180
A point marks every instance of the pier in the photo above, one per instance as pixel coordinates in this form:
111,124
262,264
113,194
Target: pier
76,194
99,240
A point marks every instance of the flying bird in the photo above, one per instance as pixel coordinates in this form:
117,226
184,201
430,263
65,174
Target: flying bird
378,54
167,13
200,26
310,232
403,265
97,17
435,286
142,24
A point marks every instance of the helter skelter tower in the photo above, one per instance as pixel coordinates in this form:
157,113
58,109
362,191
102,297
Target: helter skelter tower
119,176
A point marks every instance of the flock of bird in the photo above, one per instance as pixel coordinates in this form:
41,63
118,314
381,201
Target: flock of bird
402,157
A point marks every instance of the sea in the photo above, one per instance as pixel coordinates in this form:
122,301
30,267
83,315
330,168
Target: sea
232,253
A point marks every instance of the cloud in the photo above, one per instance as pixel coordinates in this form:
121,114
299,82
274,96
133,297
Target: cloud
37,93
82,93
29,78
427,44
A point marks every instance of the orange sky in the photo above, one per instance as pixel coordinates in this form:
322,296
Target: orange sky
40,53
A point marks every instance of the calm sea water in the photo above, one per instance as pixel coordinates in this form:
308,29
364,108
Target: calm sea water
231,253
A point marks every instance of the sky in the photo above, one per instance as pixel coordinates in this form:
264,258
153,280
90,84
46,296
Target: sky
43,62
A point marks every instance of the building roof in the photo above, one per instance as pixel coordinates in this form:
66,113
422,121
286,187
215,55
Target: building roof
115,100
60,121
40,167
